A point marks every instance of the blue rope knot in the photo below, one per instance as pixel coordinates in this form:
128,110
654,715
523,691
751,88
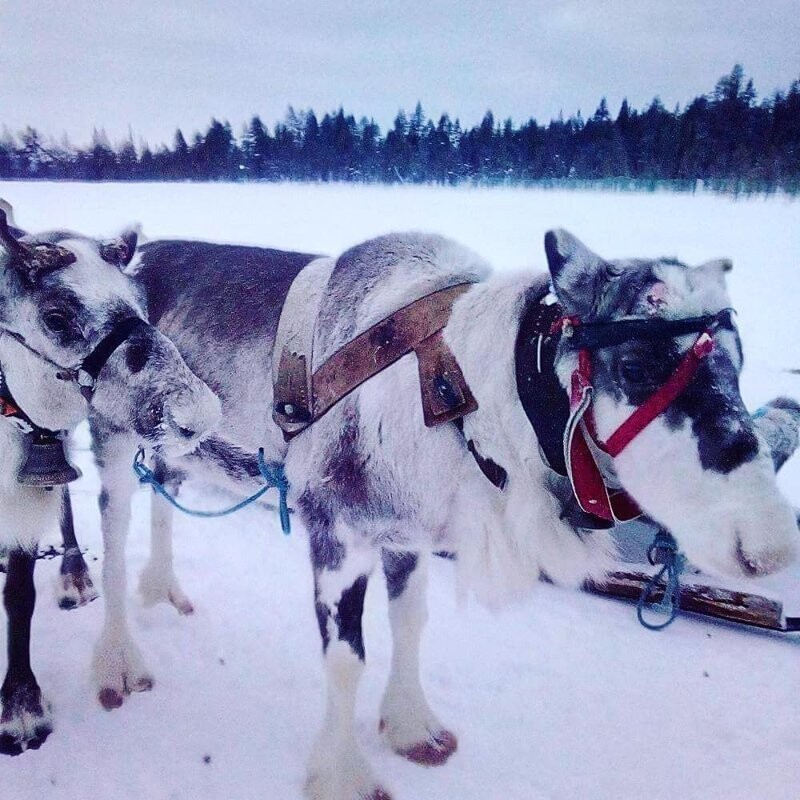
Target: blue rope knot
271,472
664,550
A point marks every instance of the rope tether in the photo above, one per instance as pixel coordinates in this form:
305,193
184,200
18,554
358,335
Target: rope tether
664,550
272,473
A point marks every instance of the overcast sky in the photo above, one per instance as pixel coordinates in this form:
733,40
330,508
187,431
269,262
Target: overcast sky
75,65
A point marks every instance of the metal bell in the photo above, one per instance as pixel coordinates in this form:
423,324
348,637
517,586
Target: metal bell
47,463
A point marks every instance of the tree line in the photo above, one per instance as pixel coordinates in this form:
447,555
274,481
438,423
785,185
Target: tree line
725,138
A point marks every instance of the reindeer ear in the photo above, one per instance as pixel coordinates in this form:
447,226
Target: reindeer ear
7,238
120,250
8,210
712,271
32,261
578,274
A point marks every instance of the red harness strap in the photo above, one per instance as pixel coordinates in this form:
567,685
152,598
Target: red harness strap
661,399
585,475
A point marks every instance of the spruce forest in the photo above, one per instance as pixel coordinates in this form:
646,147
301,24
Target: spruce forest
727,140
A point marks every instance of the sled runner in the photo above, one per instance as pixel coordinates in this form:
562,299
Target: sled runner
742,608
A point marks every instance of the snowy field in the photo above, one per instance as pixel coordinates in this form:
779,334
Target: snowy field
564,697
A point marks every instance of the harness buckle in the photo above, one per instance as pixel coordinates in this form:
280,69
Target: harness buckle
85,381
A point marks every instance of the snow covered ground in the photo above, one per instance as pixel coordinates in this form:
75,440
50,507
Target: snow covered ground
562,697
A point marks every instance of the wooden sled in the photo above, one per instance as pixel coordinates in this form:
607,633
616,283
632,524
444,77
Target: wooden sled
709,601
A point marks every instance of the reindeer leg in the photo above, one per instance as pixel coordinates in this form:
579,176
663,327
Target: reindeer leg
118,665
75,587
409,725
338,770
26,719
157,581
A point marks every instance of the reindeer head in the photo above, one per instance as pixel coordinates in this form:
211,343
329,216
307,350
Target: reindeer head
699,468
65,302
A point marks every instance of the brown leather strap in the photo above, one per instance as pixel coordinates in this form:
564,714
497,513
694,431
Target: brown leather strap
382,345
300,400
445,394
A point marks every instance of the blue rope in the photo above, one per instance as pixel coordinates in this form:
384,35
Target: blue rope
664,551
272,473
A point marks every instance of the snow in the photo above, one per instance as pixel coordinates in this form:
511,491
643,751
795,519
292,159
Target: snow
563,696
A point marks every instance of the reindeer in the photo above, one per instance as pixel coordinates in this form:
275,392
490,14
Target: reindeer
642,350
73,336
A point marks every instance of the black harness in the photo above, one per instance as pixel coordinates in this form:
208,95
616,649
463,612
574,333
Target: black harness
46,461
596,335
542,396
86,375
87,372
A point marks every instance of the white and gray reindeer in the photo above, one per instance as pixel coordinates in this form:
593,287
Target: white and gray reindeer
73,336
383,476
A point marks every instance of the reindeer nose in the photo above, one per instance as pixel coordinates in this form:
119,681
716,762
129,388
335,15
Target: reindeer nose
194,413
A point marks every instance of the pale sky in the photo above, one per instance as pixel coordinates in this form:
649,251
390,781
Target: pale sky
70,66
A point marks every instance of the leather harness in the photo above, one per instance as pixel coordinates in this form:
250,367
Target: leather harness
302,396
563,424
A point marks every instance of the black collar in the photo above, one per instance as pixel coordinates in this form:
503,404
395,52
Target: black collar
540,392
542,396
97,359
85,375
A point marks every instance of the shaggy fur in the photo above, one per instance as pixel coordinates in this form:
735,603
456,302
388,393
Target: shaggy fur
371,483
145,386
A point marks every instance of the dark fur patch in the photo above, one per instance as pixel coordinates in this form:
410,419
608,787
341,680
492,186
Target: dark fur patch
397,567
168,475
323,613
235,462
137,352
346,464
19,596
348,616
724,430
721,424
255,279
327,552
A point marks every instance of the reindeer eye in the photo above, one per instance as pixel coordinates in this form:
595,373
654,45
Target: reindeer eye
635,372
57,322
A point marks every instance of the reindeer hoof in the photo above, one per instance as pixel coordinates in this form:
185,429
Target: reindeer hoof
75,590
434,752
11,744
155,587
26,722
110,699
144,684
182,603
